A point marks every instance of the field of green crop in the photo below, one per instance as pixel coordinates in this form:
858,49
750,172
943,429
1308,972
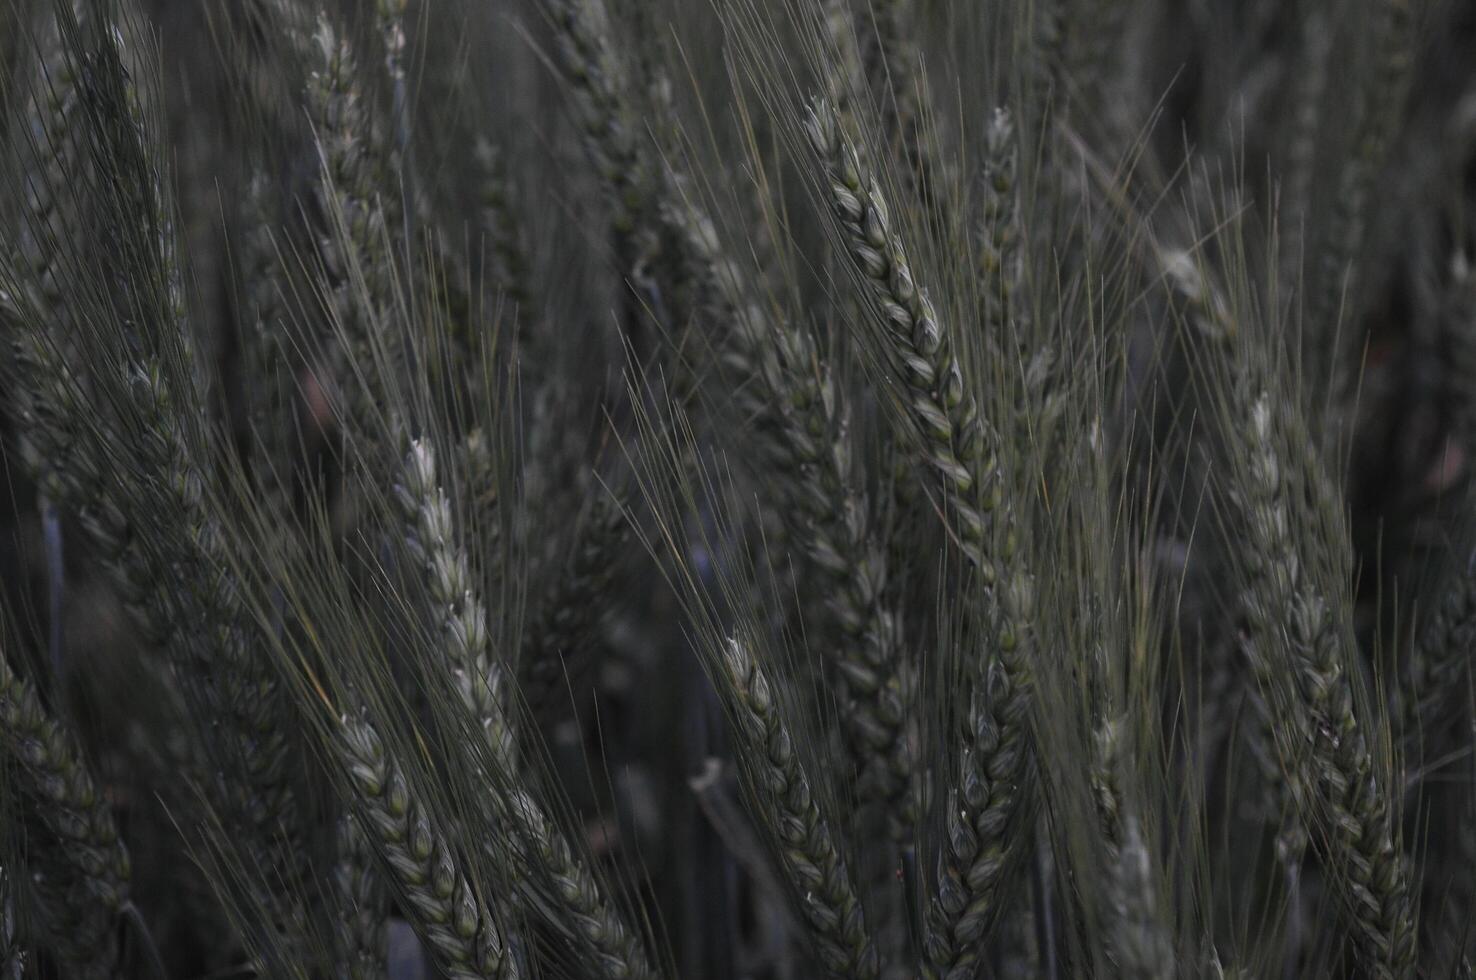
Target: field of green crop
737,489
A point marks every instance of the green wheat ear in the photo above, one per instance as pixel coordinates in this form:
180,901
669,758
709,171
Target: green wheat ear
784,801
459,933
89,888
432,541
1300,643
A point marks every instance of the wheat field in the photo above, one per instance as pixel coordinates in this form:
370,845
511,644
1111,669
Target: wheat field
737,489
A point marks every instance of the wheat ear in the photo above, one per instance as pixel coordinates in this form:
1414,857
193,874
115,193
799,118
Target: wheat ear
556,648
91,889
1301,642
272,397
785,390
174,574
361,905
893,65
458,931
1381,94
358,263
1437,663
502,231
785,803
12,950
985,804
960,446
600,86
432,544
1000,266
1137,940
956,441
52,113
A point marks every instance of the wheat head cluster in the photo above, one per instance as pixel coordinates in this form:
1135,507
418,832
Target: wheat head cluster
737,489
